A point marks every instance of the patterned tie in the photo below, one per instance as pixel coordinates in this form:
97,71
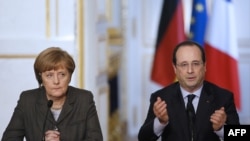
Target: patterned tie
191,115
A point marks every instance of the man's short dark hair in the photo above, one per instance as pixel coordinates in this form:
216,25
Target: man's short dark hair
191,43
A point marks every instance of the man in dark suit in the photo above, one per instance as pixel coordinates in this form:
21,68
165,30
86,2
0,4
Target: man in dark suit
168,113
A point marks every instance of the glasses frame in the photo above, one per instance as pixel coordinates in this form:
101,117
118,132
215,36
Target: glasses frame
194,65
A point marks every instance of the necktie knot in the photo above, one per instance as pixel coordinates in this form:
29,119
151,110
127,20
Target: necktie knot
191,97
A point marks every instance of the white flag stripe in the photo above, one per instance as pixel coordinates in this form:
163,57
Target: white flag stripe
221,32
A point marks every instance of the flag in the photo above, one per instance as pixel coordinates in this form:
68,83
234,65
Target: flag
198,21
221,48
170,33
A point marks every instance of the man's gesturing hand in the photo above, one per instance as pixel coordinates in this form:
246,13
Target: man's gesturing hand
160,110
218,118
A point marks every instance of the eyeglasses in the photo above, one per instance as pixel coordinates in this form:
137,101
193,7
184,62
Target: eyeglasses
194,65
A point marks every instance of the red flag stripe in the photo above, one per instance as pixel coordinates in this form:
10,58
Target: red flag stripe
221,49
222,70
162,71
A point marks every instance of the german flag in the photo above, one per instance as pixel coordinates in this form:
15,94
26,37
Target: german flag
170,33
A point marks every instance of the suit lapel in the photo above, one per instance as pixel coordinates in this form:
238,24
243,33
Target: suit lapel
42,109
180,112
205,109
68,105
65,111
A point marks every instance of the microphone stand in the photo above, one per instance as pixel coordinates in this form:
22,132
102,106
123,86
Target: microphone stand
49,104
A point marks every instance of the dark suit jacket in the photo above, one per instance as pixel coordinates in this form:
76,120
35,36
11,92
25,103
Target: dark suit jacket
211,99
78,120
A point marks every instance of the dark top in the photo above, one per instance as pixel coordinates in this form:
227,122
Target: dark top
78,120
212,98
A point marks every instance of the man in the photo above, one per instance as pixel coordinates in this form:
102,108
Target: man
168,113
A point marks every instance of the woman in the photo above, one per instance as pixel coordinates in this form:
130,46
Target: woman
55,111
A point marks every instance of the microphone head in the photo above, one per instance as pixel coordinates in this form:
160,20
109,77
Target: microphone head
50,103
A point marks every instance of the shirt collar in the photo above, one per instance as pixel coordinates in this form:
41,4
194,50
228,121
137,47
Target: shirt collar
186,93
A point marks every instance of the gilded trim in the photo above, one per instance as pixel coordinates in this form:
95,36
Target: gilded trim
17,56
47,24
80,41
57,16
109,10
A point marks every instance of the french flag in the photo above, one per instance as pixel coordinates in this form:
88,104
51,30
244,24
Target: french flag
221,48
217,33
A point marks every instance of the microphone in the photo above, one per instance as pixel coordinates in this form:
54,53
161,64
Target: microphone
49,104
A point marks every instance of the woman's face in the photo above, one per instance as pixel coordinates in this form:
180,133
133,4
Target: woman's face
56,82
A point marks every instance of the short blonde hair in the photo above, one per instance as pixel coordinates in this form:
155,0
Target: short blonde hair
52,58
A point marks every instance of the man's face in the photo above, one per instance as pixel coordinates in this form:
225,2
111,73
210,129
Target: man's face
190,69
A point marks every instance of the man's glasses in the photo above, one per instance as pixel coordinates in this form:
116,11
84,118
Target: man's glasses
194,65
